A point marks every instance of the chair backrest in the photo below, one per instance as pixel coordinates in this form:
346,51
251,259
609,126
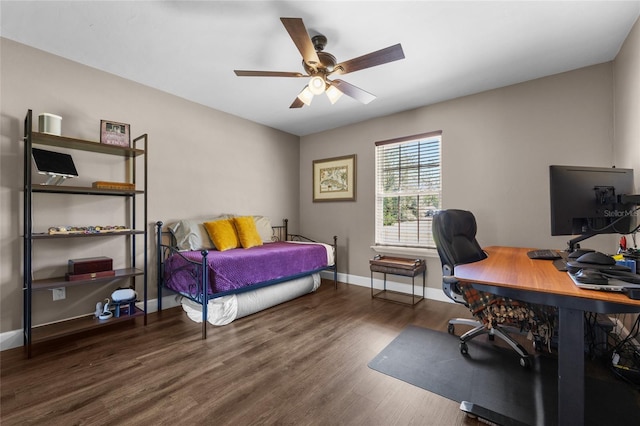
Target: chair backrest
454,232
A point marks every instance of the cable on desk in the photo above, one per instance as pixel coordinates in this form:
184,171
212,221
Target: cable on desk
596,348
625,356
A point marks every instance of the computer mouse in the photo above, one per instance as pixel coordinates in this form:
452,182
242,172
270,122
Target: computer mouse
590,276
579,252
596,258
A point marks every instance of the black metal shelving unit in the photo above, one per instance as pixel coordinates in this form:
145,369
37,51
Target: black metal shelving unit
131,156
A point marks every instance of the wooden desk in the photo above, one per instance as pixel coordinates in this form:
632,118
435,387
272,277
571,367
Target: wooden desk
509,272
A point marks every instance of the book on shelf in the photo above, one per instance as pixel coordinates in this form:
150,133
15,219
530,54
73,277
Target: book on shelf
89,276
114,185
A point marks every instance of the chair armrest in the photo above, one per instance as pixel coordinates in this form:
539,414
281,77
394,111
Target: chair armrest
449,280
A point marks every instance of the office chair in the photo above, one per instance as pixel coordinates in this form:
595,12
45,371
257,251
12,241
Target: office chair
454,233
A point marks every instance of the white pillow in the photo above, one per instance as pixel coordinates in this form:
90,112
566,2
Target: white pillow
263,225
190,234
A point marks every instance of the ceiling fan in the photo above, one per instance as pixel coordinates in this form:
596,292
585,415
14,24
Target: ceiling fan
319,65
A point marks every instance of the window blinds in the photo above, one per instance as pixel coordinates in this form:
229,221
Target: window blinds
408,190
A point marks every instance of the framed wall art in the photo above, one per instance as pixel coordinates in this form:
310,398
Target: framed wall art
112,133
334,179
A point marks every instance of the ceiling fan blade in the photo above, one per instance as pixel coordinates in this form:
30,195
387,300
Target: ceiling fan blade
298,33
244,73
379,57
353,91
297,103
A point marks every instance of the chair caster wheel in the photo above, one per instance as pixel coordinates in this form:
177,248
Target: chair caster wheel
525,362
451,329
464,349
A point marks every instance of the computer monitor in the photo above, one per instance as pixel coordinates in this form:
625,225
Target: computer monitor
56,165
586,201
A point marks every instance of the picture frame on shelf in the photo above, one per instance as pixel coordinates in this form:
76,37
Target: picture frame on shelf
334,179
114,133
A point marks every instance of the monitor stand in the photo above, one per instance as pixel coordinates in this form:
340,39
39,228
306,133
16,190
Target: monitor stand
573,243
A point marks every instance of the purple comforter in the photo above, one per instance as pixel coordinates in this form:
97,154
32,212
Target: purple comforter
238,268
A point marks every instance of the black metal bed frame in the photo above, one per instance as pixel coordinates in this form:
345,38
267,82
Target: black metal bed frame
201,277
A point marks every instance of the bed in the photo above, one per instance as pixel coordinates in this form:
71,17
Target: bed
219,279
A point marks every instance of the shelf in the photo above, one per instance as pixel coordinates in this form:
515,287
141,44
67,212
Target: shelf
85,190
131,193
57,282
77,325
84,145
46,236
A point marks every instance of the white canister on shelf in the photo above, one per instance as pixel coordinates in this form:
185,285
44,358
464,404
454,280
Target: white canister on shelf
50,124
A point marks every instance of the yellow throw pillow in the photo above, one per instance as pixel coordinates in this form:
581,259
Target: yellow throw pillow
223,234
247,231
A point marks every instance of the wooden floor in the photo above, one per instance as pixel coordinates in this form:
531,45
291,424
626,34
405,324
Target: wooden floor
300,363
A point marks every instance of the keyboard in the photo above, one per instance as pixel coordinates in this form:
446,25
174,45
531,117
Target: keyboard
544,254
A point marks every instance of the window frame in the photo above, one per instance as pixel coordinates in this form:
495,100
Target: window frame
420,239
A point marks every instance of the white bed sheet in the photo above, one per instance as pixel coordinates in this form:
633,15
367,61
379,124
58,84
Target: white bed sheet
329,248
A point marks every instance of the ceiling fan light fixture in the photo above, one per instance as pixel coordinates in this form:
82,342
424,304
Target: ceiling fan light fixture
320,65
317,85
306,96
333,94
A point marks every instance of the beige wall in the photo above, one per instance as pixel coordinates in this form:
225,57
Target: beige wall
202,162
626,112
627,104
497,147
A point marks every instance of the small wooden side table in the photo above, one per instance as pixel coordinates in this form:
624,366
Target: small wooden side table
398,266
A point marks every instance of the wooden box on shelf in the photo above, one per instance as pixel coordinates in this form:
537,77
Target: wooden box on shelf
90,264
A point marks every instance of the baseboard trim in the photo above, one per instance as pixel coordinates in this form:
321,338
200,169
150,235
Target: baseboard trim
14,338
11,339
430,293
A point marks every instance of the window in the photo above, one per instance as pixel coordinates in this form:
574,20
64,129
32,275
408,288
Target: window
408,190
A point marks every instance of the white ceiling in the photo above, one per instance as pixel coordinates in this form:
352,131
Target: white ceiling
452,49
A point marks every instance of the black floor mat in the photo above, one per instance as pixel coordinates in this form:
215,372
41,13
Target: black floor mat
491,376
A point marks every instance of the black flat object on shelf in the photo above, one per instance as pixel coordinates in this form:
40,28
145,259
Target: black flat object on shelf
560,264
543,254
625,276
574,267
632,293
